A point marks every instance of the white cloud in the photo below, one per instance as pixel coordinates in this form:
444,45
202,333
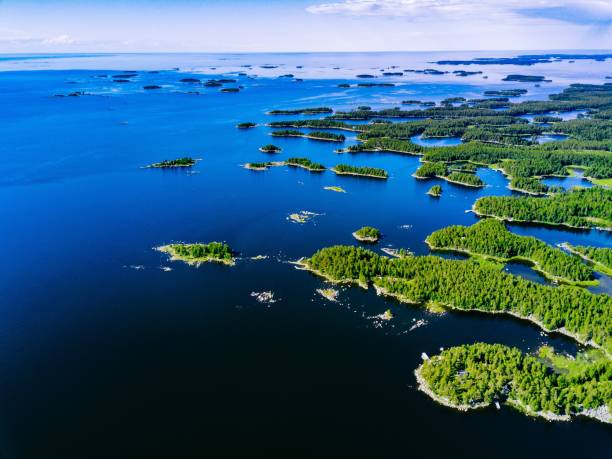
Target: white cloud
59,40
563,10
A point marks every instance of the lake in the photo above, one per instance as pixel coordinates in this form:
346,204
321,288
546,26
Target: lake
106,354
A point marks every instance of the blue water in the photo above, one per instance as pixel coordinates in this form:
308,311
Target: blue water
551,138
104,354
435,141
569,182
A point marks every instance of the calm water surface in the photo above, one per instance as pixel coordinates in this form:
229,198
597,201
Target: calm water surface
104,354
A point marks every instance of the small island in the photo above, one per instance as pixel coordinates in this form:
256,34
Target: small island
305,163
270,148
439,169
262,166
313,135
302,111
337,189
373,172
195,254
179,162
247,125
329,294
526,78
548,385
367,234
435,191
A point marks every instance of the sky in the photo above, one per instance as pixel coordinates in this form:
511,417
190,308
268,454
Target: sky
47,26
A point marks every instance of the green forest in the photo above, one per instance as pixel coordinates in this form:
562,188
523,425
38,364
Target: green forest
491,238
469,285
584,208
305,163
356,170
486,373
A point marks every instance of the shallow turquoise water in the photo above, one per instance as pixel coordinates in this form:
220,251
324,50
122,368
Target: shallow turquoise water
99,346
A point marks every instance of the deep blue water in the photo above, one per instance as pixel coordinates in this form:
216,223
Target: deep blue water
104,354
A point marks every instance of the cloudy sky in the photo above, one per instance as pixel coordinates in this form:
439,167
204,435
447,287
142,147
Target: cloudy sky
303,25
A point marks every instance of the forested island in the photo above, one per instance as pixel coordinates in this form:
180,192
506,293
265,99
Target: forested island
435,191
170,163
314,135
441,170
196,254
246,125
491,239
302,111
547,385
471,286
578,208
305,163
270,148
374,172
367,234
526,78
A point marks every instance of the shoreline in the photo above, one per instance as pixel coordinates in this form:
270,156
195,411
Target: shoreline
305,136
333,169
442,177
369,239
517,258
537,222
424,387
167,249
600,267
402,299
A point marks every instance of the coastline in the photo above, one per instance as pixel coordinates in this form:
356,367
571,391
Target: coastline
601,414
167,249
600,267
442,177
333,169
537,222
533,264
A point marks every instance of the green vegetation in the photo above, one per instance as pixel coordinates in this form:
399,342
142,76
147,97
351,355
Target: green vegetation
467,285
435,191
480,374
195,254
367,234
462,178
528,185
305,163
440,170
258,166
320,135
501,139
345,169
600,257
179,162
314,124
432,169
315,135
491,238
269,148
580,208
287,133
302,111
246,125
